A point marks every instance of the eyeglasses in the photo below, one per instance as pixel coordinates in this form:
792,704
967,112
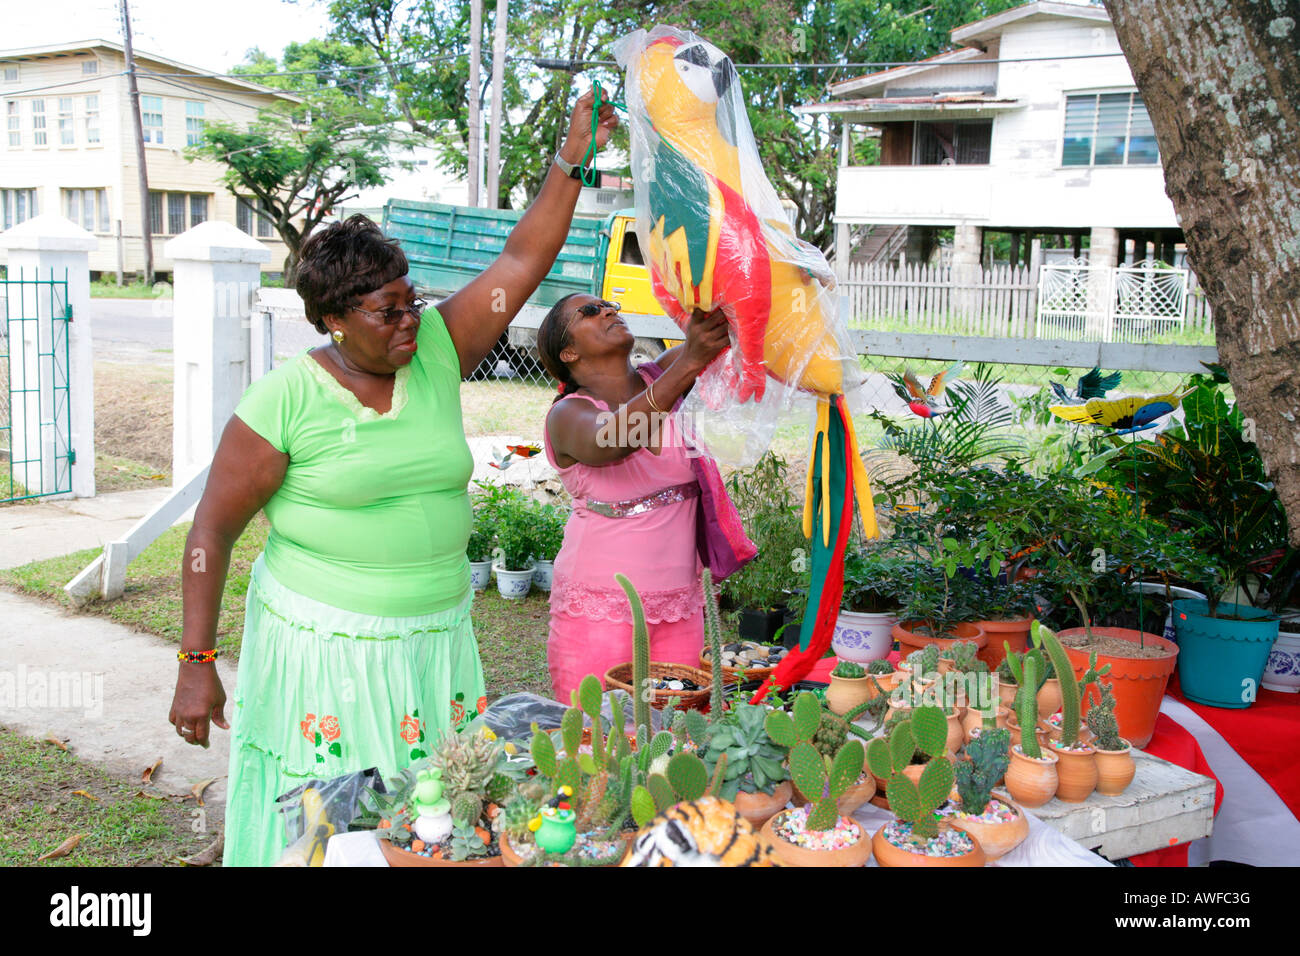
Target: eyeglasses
595,308
393,316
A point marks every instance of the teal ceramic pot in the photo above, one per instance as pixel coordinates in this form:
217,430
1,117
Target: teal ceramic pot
1221,660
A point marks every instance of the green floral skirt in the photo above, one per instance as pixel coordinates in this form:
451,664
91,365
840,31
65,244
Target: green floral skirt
323,692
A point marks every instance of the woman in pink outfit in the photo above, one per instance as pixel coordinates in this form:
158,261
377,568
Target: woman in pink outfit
635,507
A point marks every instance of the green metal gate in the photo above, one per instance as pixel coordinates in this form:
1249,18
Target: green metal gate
35,408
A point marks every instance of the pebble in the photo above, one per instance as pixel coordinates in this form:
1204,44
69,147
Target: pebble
947,843
790,826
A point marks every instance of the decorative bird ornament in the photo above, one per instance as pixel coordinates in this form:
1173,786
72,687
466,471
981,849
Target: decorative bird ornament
926,402
1123,416
1091,385
716,236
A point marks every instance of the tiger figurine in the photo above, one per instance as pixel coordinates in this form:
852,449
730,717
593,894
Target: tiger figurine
704,832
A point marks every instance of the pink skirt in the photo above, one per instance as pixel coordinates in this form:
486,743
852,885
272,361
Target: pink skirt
579,646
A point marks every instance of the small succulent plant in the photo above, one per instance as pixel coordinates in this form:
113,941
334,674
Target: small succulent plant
848,670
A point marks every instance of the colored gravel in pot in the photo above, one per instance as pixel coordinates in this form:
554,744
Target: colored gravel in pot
948,843
791,826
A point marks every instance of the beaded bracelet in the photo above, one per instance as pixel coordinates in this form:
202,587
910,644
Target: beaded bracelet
197,657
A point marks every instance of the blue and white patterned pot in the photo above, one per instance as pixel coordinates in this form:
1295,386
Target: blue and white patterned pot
543,574
480,572
1282,672
514,585
863,638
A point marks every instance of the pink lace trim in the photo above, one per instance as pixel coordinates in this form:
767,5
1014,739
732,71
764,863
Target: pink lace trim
610,604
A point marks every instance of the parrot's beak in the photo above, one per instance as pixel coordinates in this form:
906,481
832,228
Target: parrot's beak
723,75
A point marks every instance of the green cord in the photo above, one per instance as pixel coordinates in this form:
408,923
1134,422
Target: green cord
589,160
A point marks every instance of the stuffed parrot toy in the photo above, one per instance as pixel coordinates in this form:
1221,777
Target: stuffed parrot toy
1123,416
716,237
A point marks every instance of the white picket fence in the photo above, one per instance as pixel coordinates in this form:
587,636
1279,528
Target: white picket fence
997,302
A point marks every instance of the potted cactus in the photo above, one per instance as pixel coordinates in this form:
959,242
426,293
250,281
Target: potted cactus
997,824
1115,766
1077,770
818,833
914,839
850,686
1032,776
755,777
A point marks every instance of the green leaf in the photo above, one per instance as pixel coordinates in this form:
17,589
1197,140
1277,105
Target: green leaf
336,749
543,753
904,799
931,729
808,769
643,806
878,758
807,715
589,696
780,728
936,783
688,776
902,746
587,763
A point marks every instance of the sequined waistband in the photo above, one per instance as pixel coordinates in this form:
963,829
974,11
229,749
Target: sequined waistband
636,506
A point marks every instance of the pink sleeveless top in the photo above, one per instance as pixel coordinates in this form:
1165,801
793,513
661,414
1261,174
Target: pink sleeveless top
655,549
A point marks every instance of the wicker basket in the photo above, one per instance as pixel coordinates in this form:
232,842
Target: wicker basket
733,673
620,676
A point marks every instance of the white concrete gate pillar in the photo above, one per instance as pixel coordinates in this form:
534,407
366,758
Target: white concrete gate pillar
216,277
43,248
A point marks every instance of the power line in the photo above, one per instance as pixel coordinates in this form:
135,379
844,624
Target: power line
55,86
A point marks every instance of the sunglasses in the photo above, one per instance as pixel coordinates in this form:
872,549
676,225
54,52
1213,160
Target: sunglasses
595,308
393,316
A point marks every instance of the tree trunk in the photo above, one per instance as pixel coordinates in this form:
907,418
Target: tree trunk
1220,81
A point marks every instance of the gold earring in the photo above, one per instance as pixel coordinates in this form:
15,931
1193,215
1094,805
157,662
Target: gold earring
338,335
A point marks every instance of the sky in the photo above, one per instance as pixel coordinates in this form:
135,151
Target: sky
190,31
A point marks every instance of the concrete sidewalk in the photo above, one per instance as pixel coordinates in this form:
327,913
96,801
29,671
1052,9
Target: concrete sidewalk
104,688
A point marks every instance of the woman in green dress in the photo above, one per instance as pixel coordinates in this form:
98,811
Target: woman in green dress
358,648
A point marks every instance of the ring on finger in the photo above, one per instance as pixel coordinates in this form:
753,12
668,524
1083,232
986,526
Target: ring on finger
187,730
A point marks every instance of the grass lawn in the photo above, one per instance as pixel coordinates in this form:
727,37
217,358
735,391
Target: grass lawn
109,289
40,808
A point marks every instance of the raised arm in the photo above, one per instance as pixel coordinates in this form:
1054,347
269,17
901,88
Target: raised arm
581,432
246,471
477,314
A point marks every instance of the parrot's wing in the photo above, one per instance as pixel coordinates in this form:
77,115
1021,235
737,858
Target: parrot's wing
1096,385
940,381
1087,414
679,194
913,384
1155,406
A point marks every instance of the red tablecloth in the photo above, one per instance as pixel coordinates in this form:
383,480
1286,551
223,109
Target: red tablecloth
1170,742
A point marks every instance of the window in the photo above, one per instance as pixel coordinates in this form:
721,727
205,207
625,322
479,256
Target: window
175,213
88,208
67,135
194,123
170,214
244,217
38,122
1108,129
89,67
92,118
960,142
13,121
17,205
11,74
151,118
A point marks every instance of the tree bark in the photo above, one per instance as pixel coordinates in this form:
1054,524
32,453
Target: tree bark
1220,79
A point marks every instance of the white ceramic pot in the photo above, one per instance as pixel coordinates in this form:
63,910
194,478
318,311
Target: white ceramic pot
863,638
514,585
1283,669
543,572
480,572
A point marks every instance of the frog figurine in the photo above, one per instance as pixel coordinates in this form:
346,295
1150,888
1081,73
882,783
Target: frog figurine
556,827
432,810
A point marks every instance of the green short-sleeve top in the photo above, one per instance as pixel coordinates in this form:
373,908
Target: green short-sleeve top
374,514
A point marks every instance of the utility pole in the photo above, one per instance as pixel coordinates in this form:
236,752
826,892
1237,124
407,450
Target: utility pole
146,226
475,127
498,107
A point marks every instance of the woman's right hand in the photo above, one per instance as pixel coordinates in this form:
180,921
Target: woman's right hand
706,336
199,698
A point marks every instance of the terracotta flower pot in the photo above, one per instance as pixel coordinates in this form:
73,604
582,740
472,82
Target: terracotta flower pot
910,641
1015,632
845,693
995,839
887,684
1013,725
758,808
856,854
1052,733
1077,774
1115,770
956,732
974,720
511,857
888,854
1031,782
1049,697
1138,683
1007,693
395,856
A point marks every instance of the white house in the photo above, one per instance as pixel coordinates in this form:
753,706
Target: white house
1033,126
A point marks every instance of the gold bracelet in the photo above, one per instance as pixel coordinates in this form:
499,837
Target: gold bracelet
650,395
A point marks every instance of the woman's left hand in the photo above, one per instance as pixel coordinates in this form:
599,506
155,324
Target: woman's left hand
578,140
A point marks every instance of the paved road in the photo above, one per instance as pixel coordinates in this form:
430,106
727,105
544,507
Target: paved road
140,330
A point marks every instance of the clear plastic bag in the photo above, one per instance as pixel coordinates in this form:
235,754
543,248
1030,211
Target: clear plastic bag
715,235
317,809
511,717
